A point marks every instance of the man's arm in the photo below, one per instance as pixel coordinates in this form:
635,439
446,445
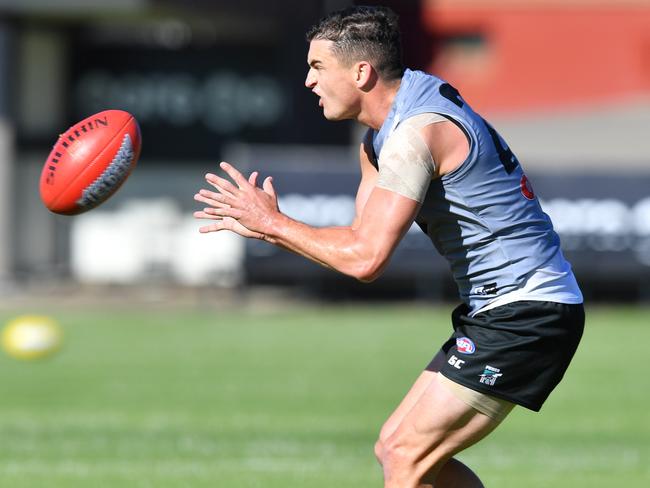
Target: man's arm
369,178
361,250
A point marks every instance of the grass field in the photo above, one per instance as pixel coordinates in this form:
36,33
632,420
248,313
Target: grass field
295,398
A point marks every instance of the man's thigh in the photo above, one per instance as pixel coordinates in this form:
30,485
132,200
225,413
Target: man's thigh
437,426
408,402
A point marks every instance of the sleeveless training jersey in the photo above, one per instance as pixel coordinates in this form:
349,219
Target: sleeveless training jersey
483,217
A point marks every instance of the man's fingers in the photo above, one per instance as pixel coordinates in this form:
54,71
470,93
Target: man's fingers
267,186
206,213
212,198
221,212
236,200
236,176
216,227
231,225
210,195
221,184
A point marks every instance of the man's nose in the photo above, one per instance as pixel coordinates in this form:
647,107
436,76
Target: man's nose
310,81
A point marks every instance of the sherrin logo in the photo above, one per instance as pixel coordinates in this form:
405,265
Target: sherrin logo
465,345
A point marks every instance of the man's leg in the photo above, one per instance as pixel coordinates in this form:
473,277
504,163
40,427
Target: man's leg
453,473
437,426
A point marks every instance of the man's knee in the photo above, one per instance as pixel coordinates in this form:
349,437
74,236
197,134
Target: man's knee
384,434
395,455
379,449
405,466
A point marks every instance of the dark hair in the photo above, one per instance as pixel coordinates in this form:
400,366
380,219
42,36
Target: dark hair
364,33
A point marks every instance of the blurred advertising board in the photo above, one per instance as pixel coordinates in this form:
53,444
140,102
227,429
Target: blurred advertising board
603,221
191,100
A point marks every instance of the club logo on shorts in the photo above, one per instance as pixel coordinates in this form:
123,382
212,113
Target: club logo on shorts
465,345
490,375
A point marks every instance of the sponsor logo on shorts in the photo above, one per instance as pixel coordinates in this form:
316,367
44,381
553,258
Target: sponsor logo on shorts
465,345
455,362
490,375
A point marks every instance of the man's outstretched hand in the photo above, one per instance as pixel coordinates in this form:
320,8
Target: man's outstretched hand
241,207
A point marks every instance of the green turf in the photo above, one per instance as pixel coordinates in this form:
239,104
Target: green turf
295,399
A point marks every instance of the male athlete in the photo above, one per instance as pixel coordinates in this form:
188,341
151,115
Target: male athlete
429,158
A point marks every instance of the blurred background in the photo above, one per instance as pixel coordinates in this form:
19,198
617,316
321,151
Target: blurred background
566,82
205,360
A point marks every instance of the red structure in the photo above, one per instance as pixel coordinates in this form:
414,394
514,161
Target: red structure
511,56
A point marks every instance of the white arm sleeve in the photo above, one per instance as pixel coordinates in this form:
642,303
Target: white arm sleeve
406,166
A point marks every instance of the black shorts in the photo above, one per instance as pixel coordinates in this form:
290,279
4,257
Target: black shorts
518,351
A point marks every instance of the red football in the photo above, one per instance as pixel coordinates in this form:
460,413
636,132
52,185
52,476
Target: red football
90,161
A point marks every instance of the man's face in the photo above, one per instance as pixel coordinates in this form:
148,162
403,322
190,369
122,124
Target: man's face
332,82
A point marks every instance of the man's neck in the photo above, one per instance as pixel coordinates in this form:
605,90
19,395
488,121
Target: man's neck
377,104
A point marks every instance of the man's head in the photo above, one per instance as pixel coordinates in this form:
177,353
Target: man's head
350,52
363,34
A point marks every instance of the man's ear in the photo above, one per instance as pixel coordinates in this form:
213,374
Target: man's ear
365,75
